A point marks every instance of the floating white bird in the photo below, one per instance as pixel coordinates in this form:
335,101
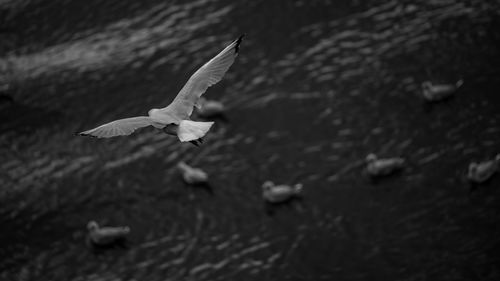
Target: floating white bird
279,193
382,167
481,172
210,108
174,119
192,175
439,92
106,235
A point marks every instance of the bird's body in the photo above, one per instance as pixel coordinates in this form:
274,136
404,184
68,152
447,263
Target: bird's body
383,167
174,119
439,92
192,175
481,172
279,193
210,108
106,235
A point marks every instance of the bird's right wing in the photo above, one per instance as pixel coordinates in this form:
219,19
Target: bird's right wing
121,127
207,75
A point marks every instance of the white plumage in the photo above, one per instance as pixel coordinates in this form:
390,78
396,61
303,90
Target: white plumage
279,193
481,172
106,235
434,93
383,167
192,175
210,108
174,118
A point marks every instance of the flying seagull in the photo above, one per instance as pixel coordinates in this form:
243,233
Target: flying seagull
174,119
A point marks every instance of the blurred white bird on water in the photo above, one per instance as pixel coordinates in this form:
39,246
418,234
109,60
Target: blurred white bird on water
175,118
376,167
280,193
434,93
210,108
105,235
481,172
192,175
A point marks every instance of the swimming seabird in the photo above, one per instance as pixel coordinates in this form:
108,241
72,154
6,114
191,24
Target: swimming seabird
210,108
481,172
382,167
432,92
106,235
192,175
279,193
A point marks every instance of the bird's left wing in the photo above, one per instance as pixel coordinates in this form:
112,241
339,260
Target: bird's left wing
121,127
209,74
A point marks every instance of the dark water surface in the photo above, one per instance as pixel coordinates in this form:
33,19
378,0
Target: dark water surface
317,87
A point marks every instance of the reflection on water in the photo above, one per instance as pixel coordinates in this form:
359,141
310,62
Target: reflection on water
316,88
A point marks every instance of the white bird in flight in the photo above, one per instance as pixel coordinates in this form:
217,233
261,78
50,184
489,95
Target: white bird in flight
174,119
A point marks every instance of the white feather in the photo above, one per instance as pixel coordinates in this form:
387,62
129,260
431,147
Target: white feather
182,106
191,130
207,75
121,127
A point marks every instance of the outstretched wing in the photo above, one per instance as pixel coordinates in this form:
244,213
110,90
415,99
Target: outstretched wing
121,127
209,74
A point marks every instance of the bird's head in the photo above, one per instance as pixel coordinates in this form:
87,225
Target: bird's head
472,167
182,166
298,187
92,226
426,85
152,111
267,185
370,158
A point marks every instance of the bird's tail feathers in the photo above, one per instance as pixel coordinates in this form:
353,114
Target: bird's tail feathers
192,130
118,231
298,188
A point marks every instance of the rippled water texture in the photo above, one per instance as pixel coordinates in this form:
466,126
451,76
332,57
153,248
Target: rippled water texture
318,85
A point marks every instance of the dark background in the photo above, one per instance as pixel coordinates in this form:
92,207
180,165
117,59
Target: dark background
317,86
